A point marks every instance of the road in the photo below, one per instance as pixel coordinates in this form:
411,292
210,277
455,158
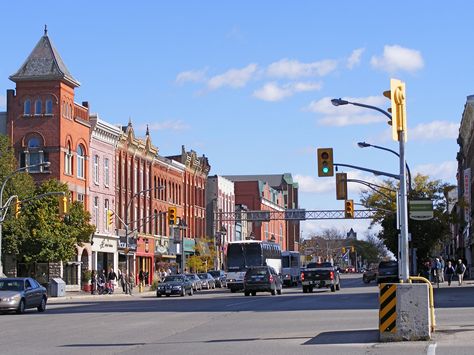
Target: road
219,322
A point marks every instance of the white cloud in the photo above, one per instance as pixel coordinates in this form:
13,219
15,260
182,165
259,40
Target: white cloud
341,121
292,69
436,130
397,58
170,125
445,171
191,76
313,184
3,101
354,58
274,92
234,78
346,115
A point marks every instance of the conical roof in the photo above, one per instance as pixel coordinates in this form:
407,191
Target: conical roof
44,63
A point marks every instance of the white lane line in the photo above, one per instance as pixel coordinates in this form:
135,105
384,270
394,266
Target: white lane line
239,303
431,349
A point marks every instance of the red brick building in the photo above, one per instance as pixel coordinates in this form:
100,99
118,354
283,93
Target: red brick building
44,122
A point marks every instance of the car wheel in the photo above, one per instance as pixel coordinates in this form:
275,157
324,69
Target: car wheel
333,288
233,290
246,293
168,295
310,290
21,307
183,292
42,305
273,292
279,291
365,280
158,295
254,293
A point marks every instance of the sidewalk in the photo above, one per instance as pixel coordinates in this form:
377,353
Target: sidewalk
81,295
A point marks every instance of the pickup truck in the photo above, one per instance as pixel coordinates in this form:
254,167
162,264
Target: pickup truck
320,275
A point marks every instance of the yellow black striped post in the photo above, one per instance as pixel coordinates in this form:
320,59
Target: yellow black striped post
388,308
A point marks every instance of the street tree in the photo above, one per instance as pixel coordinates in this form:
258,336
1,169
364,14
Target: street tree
41,234
426,235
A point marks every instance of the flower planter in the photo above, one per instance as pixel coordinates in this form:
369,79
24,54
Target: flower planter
86,287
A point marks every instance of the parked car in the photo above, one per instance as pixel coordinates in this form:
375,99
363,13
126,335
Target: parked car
387,272
369,275
19,293
207,280
175,285
219,277
262,279
196,282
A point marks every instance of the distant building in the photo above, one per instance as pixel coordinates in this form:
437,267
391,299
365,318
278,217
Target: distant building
289,189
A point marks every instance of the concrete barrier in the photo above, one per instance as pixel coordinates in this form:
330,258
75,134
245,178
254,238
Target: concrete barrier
404,313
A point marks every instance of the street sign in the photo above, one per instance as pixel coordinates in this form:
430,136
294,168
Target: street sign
421,210
295,214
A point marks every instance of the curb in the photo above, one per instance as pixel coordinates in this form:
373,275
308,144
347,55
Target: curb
71,296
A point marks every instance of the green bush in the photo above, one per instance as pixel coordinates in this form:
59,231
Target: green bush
154,285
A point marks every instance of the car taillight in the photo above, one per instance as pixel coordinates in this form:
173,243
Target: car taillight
302,276
271,278
331,275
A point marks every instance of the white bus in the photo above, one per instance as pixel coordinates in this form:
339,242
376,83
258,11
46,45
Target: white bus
291,267
243,254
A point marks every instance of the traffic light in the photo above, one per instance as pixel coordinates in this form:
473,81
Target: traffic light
172,215
343,250
341,186
349,209
110,218
62,205
352,249
325,162
17,208
397,96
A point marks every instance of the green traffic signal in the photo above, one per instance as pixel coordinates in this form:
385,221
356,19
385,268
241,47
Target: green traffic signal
325,162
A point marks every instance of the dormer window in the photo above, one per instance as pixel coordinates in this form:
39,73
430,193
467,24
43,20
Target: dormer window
27,107
38,107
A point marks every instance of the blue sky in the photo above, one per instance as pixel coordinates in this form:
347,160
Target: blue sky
248,83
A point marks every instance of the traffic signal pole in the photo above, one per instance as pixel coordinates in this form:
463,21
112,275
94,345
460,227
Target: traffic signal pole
403,267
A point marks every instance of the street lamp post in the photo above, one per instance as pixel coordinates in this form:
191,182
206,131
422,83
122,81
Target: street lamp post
126,225
403,269
25,168
365,145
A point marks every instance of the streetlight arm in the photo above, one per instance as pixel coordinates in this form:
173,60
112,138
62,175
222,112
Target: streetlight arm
7,204
375,172
340,102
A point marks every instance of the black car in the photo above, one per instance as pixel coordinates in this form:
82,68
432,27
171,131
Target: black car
262,279
387,272
219,277
175,285
369,275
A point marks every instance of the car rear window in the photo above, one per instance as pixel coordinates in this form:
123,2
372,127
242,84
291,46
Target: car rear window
257,271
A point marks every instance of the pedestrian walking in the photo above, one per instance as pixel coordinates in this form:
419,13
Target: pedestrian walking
121,280
450,271
112,279
460,270
443,266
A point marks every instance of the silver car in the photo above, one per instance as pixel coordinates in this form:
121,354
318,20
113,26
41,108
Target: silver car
20,293
196,281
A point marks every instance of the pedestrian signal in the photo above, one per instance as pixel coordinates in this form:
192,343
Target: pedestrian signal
62,205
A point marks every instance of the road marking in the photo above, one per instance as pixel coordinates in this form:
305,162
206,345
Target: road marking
431,349
239,303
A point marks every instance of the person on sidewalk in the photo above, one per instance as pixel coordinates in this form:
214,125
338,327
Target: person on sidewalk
450,271
112,278
443,266
460,270
121,281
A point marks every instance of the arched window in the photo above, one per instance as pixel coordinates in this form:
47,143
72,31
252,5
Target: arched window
33,155
27,107
38,107
80,162
49,107
68,160
96,212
